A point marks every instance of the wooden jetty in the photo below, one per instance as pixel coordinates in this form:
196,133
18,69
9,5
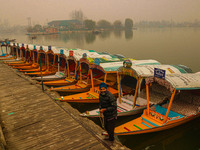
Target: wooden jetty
32,119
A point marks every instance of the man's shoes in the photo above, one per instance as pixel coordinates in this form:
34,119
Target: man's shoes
109,139
104,133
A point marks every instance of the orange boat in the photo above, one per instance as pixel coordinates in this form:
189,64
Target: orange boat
33,61
41,53
17,55
21,56
26,58
12,55
51,67
83,84
96,72
60,61
182,106
71,69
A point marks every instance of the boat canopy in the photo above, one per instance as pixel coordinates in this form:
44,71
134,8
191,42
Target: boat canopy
187,81
148,70
114,66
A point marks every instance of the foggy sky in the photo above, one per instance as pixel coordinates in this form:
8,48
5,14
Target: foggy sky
43,11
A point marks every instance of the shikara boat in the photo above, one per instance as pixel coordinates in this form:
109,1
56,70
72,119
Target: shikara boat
109,72
12,55
51,67
131,81
27,59
3,55
21,57
60,60
182,106
83,84
16,55
33,61
36,66
71,69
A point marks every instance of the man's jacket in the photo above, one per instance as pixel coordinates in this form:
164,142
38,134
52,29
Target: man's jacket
108,101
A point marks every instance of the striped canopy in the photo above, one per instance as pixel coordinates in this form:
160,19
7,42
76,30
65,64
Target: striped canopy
187,81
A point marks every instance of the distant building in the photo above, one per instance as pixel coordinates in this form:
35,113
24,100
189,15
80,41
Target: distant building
66,24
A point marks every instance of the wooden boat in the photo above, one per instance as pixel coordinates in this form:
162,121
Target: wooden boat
21,57
27,59
36,66
12,55
83,84
71,69
33,61
132,79
177,109
92,96
60,60
16,58
3,55
50,67
109,70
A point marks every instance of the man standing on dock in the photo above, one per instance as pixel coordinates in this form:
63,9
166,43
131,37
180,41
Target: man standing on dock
108,109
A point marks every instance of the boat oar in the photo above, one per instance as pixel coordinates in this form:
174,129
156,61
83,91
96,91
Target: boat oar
41,74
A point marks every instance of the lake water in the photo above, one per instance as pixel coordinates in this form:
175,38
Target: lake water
167,45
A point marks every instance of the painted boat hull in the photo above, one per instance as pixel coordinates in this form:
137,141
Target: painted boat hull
33,66
44,73
54,77
63,82
125,108
166,126
77,88
34,70
87,97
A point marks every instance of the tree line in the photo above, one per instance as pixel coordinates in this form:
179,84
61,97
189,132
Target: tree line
104,24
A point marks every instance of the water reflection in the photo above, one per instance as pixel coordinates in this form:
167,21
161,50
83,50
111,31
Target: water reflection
128,34
118,33
105,34
90,38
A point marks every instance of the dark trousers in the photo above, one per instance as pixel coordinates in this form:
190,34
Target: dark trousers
110,126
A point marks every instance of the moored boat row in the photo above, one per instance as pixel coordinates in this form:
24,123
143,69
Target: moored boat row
165,95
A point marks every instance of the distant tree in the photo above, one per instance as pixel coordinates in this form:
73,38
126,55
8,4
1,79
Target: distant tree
90,24
117,24
128,23
37,28
104,24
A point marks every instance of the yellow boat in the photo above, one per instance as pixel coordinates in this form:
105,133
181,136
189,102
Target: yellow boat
36,66
95,73
182,106
26,58
12,55
71,69
21,56
60,61
17,55
32,61
50,67
83,84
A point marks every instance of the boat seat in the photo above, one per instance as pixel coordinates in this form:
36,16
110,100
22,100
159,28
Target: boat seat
163,111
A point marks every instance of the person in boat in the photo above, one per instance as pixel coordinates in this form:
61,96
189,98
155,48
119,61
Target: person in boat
108,109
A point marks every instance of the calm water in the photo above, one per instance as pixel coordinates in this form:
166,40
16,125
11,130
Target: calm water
169,46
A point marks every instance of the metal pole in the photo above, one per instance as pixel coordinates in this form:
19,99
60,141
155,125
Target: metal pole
41,73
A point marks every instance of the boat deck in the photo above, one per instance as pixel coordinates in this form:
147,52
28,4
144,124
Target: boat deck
31,119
